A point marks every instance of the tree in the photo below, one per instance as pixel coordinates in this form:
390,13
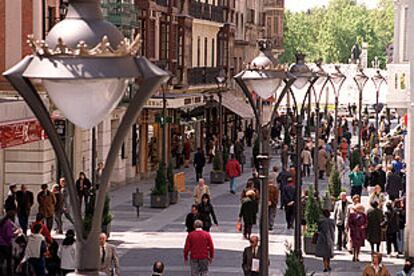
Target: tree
330,32
294,265
312,211
160,187
335,183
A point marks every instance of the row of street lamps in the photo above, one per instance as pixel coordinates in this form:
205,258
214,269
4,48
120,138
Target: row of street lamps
263,77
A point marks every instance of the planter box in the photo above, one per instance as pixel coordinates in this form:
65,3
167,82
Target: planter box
308,246
173,197
217,177
160,201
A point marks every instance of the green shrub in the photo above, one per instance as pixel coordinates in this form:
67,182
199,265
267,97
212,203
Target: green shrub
335,184
106,216
170,178
218,162
294,265
225,159
312,209
160,187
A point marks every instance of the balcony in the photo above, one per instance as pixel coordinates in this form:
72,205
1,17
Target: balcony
206,11
123,15
202,75
274,3
163,2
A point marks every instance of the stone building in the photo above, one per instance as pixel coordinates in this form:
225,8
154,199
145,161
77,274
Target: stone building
193,39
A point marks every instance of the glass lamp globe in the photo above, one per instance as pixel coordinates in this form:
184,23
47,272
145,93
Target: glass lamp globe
300,83
265,87
86,102
300,69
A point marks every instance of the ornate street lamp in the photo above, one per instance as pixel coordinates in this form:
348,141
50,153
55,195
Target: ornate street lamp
360,80
336,79
378,79
85,65
323,79
263,77
303,75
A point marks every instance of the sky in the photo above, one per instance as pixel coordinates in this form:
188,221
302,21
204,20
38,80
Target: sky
303,5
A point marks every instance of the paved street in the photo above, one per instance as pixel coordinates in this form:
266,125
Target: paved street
159,234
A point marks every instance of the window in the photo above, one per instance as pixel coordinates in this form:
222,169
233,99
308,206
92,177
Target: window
205,51
405,40
180,48
213,52
198,51
142,31
164,37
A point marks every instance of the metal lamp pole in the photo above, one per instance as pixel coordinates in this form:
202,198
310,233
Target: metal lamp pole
337,79
322,75
303,76
360,80
221,80
378,80
264,70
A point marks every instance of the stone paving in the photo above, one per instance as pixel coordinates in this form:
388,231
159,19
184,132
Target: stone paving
159,234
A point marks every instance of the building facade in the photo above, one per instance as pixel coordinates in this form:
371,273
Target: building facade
192,39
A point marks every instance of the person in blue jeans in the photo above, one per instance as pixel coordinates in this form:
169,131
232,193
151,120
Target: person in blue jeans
233,170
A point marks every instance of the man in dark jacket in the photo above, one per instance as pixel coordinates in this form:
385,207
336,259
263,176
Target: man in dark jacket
25,202
199,163
379,177
248,211
10,203
251,257
289,203
191,218
282,180
394,185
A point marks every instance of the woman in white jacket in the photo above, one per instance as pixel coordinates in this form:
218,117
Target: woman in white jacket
67,253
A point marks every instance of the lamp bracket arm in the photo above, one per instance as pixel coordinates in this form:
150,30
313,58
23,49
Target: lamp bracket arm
248,95
153,77
308,92
288,84
26,89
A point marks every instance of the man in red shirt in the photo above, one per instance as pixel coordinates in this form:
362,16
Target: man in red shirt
233,170
200,246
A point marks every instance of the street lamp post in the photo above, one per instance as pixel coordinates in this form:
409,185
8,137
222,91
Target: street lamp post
221,80
336,79
323,79
378,79
360,80
303,76
85,65
263,77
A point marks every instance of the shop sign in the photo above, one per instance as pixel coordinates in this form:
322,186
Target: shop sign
21,132
398,95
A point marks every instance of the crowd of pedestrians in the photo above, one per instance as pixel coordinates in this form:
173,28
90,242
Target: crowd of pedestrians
37,248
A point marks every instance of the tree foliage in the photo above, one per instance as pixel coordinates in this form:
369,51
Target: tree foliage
330,32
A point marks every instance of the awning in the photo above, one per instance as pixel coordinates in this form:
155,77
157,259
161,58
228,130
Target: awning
236,104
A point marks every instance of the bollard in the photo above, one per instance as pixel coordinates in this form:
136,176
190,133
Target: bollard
137,200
